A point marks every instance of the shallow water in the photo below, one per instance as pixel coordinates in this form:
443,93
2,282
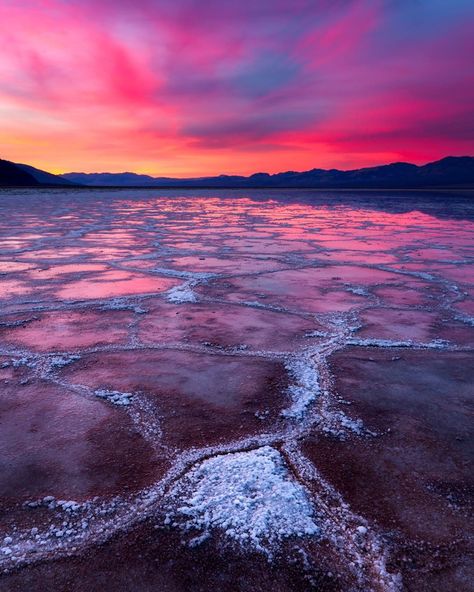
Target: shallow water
144,332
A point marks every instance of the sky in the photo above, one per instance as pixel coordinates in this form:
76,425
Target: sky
203,87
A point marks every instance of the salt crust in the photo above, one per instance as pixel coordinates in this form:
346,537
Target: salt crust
249,496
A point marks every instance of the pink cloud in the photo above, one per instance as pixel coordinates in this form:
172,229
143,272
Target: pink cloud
186,87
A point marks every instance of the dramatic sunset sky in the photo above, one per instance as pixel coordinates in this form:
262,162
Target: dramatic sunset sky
194,87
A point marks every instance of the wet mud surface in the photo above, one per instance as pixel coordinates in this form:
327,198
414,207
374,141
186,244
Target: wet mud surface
225,392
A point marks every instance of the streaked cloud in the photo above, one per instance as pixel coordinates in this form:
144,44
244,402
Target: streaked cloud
186,87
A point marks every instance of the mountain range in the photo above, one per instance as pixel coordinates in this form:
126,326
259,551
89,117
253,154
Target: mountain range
452,171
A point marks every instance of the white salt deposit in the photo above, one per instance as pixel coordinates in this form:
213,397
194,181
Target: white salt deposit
181,294
354,425
115,397
369,342
305,389
316,334
196,275
357,290
61,361
123,304
464,318
249,496
16,363
50,502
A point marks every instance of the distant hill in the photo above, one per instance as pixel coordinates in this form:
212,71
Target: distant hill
452,171
23,175
115,179
45,178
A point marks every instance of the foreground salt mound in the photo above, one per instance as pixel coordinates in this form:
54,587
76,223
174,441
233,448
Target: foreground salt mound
249,496
181,294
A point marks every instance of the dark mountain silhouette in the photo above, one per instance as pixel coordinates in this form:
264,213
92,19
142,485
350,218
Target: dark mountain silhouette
12,175
23,175
451,171
115,179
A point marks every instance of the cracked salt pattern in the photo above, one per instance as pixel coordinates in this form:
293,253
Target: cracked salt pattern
122,277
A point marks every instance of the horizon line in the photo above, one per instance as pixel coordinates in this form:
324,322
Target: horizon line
210,176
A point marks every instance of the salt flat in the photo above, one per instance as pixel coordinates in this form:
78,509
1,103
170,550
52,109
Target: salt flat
217,390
